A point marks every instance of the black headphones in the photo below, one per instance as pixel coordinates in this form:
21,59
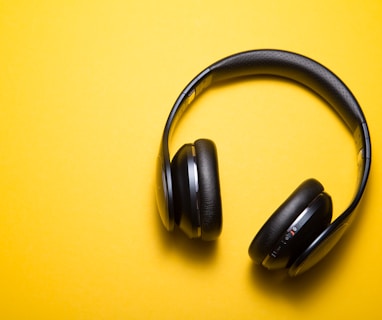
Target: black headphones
299,233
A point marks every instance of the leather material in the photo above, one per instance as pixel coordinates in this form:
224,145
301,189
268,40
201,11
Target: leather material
209,189
282,218
294,67
186,215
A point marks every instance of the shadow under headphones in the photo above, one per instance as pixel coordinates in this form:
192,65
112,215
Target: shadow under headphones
299,233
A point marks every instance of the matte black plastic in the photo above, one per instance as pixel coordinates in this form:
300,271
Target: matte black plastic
293,241
282,218
187,215
318,249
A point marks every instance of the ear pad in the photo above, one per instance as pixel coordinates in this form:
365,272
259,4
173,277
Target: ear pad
209,189
292,227
197,200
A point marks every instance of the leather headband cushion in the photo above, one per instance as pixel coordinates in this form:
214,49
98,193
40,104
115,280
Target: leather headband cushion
282,218
209,189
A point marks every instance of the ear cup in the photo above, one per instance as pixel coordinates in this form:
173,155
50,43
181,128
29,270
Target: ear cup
209,189
197,200
306,213
185,191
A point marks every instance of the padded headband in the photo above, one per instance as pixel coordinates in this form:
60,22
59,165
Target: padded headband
298,68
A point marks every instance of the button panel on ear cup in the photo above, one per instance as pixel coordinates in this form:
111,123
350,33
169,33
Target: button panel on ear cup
304,229
284,216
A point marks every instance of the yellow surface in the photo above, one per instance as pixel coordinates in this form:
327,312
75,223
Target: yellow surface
86,87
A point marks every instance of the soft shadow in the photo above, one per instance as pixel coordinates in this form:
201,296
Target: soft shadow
303,286
192,250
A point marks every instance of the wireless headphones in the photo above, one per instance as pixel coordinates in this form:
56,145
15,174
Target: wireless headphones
299,233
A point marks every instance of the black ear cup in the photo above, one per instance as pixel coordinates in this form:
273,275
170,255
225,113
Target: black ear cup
292,227
197,199
209,189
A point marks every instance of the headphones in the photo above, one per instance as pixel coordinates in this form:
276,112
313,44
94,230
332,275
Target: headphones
300,232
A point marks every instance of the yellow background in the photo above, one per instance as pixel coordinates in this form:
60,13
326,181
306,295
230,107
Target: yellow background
85,89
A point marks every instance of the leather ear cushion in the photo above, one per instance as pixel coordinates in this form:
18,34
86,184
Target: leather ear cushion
282,218
186,215
209,189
